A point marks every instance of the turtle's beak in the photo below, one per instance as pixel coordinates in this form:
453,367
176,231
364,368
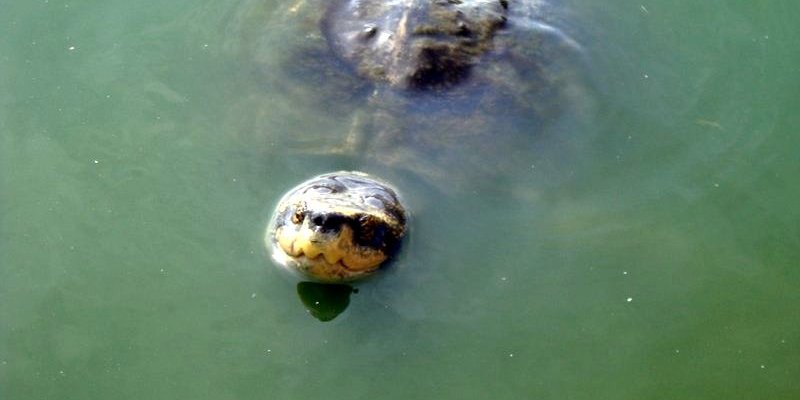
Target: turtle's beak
325,246
332,248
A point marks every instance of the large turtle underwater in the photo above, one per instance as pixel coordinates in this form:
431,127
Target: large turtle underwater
453,93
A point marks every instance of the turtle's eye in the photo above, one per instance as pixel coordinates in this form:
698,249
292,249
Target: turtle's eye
369,31
297,217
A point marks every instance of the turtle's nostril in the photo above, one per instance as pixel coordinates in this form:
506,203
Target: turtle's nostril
327,222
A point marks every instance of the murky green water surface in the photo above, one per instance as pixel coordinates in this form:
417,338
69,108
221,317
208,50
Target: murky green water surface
650,253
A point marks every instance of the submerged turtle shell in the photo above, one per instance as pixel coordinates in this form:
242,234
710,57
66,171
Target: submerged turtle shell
413,43
455,92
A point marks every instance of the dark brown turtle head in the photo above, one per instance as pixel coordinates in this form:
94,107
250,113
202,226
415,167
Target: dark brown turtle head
336,227
418,44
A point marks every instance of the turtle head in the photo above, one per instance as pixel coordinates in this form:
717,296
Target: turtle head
336,227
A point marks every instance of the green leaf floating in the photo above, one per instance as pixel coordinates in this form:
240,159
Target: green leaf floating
324,301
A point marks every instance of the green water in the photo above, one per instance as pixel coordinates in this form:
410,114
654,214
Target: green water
143,144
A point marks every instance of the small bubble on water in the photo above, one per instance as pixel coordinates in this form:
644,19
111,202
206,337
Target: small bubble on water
629,299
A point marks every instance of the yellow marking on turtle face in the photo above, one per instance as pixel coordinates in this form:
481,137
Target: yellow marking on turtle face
326,256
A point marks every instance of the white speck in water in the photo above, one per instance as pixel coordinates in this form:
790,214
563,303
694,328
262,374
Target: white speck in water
62,371
253,296
677,351
503,278
234,179
511,355
316,303
644,9
71,48
646,76
766,37
624,272
205,45
783,340
763,366
630,299
162,270
96,161
108,96
716,185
